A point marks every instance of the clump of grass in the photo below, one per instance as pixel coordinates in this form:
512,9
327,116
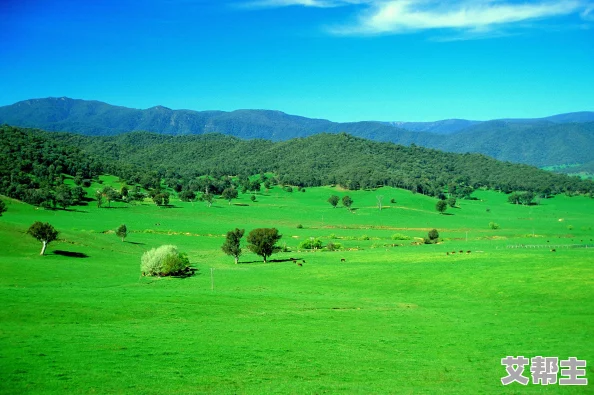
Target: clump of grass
364,237
493,225
400,236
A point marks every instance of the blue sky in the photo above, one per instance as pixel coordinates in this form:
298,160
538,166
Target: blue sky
343,60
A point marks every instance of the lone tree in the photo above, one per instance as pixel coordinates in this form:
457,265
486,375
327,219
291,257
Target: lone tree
43,232
262,242
441,206
379,201
333,200
432,237
231,245
2,207
347,202
110,194
207,197
230,194
452,202
99,197
122,232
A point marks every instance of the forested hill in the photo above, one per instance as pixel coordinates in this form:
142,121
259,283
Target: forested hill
558,140
324,159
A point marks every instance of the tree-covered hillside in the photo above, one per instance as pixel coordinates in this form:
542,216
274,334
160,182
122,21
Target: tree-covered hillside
557,140
323,159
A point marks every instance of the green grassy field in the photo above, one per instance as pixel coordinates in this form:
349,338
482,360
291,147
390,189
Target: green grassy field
395,317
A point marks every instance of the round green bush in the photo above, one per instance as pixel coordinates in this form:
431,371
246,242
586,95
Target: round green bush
163,261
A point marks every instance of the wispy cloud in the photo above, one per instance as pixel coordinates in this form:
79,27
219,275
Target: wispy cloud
304,3
401,16
470,19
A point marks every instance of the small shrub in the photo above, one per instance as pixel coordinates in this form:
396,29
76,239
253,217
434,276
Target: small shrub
569,227
488,209
253,198
299,226
332,246
288,188
163,261
364,237
332,236
493,225
392,200
400,236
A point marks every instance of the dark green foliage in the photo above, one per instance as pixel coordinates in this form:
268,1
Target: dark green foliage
187,196
122,232
63,196
432,237
232,246
451,202
324,159
262,241
441,206
333,200
253,198
2,207
347,202
44,232
525,198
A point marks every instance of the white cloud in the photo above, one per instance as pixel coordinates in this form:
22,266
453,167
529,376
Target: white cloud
304,3
469,19
399,16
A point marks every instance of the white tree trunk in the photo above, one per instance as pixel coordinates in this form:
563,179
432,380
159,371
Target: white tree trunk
43,248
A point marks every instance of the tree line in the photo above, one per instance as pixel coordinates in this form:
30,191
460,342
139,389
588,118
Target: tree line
212,164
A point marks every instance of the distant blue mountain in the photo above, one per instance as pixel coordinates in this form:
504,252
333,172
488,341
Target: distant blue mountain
556,140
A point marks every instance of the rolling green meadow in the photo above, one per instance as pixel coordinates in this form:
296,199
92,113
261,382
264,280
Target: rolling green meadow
397,316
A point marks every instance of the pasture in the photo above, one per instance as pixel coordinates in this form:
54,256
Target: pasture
397,316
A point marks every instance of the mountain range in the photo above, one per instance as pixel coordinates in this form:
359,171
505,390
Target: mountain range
565,139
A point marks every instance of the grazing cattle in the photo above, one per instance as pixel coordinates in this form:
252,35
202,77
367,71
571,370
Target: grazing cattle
300,264
303,261
453,252
468,252
447,253
553,250
342,260
461,251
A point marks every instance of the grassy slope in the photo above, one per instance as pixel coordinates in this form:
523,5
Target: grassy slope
390,319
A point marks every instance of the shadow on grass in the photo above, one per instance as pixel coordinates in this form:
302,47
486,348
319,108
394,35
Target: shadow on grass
135,243
114,208
241,204
272,260
71,254
447,214
73,210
